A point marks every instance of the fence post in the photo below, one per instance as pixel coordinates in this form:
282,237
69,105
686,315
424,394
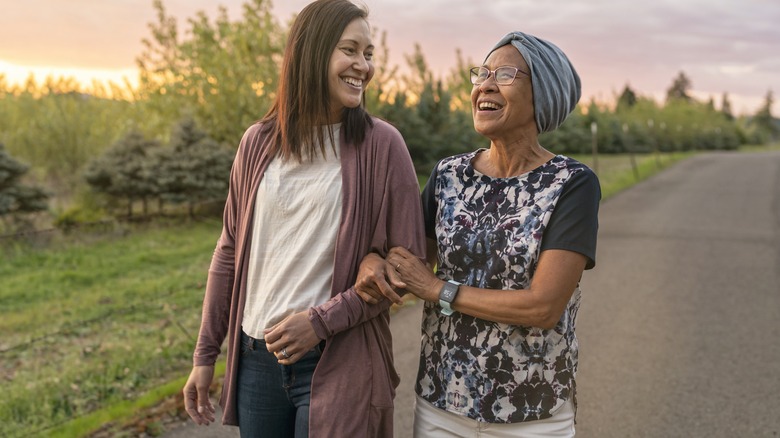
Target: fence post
630,151
651,124
594,129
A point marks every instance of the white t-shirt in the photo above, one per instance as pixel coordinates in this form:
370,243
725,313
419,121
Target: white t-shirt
296,219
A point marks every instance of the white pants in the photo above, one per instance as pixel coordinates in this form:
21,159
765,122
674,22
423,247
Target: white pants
431,422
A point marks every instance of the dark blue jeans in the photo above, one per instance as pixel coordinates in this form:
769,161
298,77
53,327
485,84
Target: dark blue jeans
273,399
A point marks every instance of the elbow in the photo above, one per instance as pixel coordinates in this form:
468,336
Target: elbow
549,322
530,318
544,309
544,316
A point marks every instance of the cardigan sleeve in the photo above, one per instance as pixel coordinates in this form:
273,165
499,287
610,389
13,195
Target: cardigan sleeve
222,271
397,222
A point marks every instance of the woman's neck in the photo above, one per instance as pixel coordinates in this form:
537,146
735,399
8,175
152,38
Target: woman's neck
504,160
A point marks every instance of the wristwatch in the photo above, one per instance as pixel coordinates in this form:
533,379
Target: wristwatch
447,295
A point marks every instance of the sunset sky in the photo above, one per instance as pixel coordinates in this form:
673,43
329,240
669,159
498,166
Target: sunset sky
728,46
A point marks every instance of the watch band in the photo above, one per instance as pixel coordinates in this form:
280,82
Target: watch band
447,295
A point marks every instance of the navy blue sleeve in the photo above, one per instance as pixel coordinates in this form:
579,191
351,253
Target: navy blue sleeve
574,223
429,204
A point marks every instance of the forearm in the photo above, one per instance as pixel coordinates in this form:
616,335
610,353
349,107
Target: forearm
214,320
540,305
344,311
518,307
216,304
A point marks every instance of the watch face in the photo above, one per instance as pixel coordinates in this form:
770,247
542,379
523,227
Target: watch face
448,292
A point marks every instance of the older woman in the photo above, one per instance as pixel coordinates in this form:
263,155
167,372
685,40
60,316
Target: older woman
511,229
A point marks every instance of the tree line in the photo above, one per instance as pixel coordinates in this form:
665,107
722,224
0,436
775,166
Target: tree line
191,169
198,90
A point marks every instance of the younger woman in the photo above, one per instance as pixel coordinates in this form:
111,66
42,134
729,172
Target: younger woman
316,185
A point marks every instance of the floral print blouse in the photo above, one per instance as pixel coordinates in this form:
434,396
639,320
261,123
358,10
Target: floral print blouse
490,233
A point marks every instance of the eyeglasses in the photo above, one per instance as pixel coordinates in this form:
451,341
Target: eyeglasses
503,75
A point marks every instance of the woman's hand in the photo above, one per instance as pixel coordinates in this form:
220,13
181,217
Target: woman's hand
377,280
291,338
417,276
196,395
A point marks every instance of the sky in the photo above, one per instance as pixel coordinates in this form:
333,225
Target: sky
723,46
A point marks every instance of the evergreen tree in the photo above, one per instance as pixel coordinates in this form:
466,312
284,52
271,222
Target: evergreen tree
764,121
432,123
122,171
725,107
15,197
626,100
195,168
680,89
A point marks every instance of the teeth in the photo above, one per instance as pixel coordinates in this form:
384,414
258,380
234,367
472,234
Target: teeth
353,82
489,106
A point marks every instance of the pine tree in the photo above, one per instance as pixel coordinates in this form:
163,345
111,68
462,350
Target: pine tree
194,168
764,121
15,197
626,100
680,89
725,107
123,171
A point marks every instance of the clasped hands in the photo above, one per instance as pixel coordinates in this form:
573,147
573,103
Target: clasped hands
398,273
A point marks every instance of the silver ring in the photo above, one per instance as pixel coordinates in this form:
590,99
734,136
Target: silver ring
284,353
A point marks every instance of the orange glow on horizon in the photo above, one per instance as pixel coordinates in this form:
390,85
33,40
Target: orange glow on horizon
17,75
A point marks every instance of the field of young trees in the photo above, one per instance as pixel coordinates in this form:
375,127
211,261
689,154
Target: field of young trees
94,319
217,76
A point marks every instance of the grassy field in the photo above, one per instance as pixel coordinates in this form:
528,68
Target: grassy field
96,328
761,148
617,173
89,324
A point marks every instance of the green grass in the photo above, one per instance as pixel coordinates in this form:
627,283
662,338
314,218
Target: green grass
90,325
616,172
761,148
126,409
118,411
96,329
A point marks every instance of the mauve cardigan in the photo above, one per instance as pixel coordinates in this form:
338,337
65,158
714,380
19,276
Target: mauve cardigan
354,384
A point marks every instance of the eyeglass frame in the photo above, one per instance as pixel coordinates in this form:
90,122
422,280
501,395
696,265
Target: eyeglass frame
474,74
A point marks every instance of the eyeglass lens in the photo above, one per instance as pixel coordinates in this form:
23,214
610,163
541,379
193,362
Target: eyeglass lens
503,75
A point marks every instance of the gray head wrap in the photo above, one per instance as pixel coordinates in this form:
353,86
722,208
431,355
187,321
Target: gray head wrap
554,81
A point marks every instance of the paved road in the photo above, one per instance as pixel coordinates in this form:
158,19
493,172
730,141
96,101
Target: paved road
680,323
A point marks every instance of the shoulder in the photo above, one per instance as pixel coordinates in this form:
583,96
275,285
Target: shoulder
382,130
455,162
253,142
253,132
562,161
253,137
579,180
575,169
385,141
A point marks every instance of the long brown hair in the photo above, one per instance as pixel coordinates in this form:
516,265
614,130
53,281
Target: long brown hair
302,104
